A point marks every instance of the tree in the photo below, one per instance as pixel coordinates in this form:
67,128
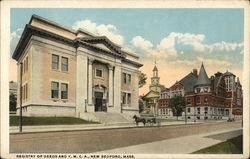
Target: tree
141,105
142,79
12,102
178,105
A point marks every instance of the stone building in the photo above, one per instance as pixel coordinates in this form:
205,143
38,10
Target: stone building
66,72
217,97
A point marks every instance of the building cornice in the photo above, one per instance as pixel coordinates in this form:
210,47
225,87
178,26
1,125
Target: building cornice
31,30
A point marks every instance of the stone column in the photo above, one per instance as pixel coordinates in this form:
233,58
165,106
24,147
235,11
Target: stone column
110,67
90,92
136,91
81,83
117,88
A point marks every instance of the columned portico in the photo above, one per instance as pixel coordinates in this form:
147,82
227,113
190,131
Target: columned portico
110,67
90,90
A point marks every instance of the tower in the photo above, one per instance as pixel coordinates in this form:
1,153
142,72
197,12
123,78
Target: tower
155,81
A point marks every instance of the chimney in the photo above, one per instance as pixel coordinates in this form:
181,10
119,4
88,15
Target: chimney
195,72
212,83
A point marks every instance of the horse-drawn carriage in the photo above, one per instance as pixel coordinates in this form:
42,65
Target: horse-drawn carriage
151,121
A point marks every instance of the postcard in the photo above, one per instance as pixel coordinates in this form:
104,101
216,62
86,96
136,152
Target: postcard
127,79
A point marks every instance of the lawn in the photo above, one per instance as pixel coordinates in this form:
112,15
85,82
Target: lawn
169,119
14,121
231,146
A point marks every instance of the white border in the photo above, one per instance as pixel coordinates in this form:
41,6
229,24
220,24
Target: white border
5,49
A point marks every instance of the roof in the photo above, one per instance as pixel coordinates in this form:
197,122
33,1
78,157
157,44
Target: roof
228,74
151,94
202,77
188,82
155,68
89,42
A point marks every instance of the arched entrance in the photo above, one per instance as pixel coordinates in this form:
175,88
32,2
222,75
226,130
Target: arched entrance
100,98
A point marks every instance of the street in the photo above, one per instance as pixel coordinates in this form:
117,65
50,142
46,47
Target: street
88,141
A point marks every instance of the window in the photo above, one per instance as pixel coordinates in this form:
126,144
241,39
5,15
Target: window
126,78
123,98
98,73
206,100
188,110
55,62
126,98
188,101
198,90
129,98
23,92
198,110
64,91
27,64
198,100
26,90
205,89
206,110
54,89
24,64
64,64
129,78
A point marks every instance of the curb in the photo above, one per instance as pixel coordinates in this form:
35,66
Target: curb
97,129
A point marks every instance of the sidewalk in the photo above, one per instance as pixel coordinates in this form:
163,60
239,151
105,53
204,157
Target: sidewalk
180,145
50,128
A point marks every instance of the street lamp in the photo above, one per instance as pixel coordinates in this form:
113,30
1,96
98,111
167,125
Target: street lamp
194,114
185,115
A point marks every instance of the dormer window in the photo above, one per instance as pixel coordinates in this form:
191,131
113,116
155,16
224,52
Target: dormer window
198,90
205,89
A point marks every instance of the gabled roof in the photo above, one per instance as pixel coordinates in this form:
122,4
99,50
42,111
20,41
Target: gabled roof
202,77
188,82
154,93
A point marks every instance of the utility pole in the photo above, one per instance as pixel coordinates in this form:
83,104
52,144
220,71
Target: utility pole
21,96
85,105
185,115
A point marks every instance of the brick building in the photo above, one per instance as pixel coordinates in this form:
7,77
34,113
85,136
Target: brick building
217,97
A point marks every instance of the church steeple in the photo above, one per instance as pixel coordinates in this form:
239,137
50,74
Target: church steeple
155,80
155,71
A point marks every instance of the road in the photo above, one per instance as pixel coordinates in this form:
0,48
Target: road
88,141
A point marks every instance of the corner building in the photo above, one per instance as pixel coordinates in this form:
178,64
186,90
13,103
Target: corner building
64,72
217,97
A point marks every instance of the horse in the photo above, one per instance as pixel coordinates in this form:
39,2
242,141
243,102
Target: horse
138,119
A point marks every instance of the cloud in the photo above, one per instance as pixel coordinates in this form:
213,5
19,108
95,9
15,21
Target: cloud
108,30
141,43
226,47
14,38
198,60
176,44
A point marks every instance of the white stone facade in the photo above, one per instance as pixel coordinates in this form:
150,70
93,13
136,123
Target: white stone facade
83,85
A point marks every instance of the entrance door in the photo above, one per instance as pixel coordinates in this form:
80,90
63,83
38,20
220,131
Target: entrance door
98,101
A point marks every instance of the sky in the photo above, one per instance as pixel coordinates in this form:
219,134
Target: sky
179,40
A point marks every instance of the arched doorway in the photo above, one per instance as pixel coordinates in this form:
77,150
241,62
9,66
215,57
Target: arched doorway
100,98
